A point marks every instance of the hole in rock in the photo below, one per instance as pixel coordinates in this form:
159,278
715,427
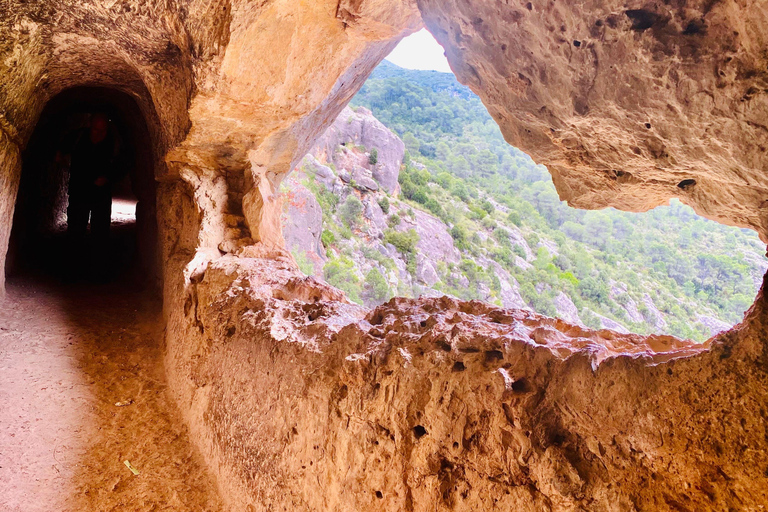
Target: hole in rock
418,194
85,210
642,19
379,494
419,431
686,184
521,386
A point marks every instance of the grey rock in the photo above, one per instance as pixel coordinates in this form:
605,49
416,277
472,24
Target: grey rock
508,294
425,270
550,246
375,216
520,262
632,312
363,180
516,237
714,325
361,128
607,323
566,309
655,317
435,241
302,220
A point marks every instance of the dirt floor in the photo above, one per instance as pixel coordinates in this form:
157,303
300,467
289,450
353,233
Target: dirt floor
82,390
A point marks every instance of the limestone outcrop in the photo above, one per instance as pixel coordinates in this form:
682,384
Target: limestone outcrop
302,401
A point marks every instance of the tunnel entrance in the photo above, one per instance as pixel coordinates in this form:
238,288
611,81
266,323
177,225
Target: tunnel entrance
43,240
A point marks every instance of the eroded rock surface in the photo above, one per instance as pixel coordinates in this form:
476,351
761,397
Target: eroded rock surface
438,404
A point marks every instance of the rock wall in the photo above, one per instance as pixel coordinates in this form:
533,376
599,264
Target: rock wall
300,401
627,103
10,170
303,402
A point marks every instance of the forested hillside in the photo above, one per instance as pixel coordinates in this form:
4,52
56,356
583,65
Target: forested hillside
512,241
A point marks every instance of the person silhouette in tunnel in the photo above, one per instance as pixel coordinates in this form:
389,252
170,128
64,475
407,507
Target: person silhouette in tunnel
93,169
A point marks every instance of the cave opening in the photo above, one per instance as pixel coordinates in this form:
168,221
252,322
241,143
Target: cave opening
419,194
44,241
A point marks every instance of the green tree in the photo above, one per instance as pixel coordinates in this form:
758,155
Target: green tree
351,211
384,204
340,272
376,290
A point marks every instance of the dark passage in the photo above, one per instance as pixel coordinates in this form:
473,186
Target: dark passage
64,226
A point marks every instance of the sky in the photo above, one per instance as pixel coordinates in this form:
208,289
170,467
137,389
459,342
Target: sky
419,51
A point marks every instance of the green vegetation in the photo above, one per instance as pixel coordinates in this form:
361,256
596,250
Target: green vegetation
340,272
653,272
499,204
376,287
405,243
384,204
351,211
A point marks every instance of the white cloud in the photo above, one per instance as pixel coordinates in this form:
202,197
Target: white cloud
420,51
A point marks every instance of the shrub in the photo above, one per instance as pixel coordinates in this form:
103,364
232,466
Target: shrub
305,265
488,223
351,211
373,158
594,290
533,240
476,213
404,241
460,236
376,289
384,204
393,221
459,189
340,272
502,236
327,238
435,208
514,218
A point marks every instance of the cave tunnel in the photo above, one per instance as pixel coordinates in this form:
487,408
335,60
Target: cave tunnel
40,243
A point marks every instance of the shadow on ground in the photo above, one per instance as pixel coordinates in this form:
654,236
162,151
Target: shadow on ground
82,387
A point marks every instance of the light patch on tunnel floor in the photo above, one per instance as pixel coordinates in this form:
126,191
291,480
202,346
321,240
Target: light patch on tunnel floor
123,211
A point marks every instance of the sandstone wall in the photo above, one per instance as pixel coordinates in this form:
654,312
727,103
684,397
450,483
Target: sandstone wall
10,169
303,402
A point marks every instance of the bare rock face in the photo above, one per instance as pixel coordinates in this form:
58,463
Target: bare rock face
360,127
302,222
627,103
434,239
9,184
566,309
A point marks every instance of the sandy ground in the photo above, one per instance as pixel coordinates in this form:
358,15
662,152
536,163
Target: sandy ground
68,354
